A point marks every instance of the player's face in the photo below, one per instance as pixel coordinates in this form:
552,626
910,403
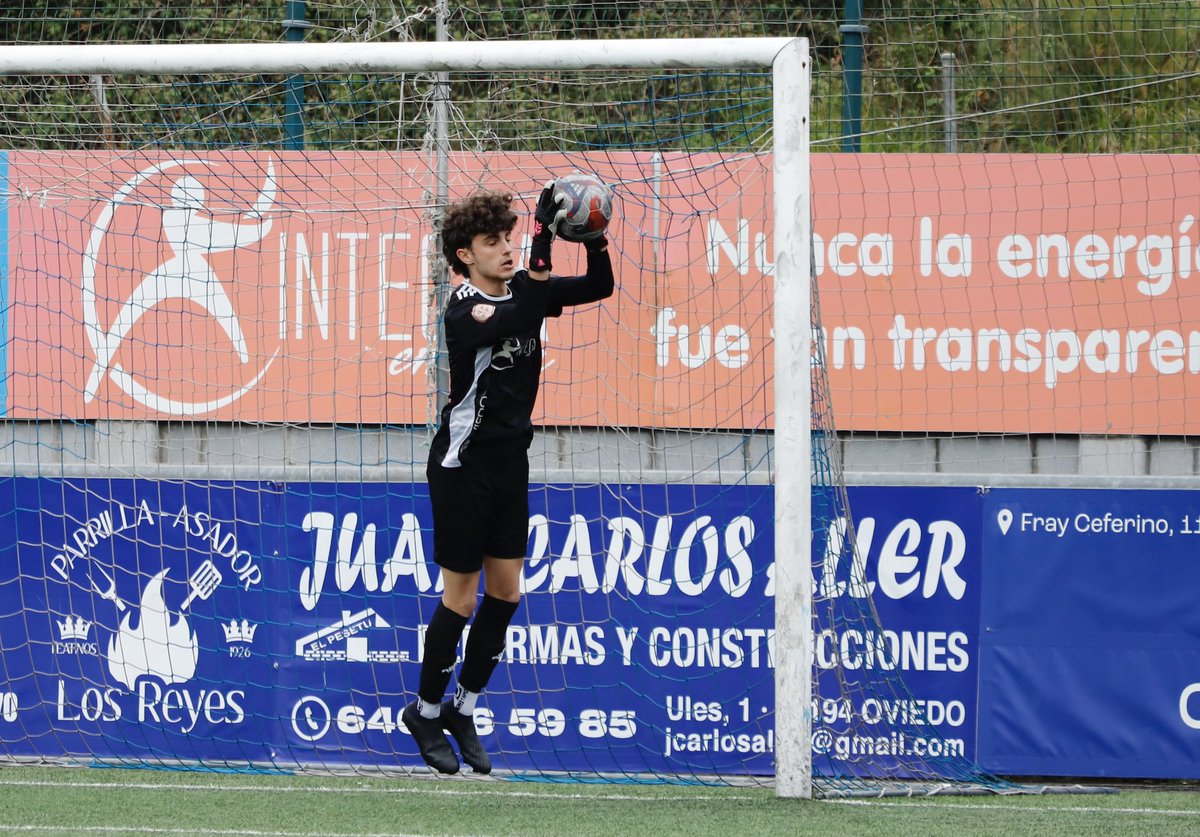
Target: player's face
490,257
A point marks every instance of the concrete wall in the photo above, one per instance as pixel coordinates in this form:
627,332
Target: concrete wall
122,449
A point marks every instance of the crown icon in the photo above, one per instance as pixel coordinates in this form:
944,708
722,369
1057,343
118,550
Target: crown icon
239,631
73,627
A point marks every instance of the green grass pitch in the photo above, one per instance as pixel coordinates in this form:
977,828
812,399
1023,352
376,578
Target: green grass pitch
48,800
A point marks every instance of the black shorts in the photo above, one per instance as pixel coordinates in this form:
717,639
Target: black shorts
479,509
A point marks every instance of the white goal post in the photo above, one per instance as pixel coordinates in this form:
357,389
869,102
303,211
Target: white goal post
788,59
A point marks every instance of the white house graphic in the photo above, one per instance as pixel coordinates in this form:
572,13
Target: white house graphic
323,644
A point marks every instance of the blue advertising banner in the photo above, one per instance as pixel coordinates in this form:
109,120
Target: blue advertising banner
903,693
644,640
1090,662
129,612
282,625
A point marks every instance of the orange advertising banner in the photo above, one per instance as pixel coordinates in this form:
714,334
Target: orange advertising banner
289,287
959,293
1011,293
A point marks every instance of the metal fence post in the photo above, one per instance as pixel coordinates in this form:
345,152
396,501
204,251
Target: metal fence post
949,102
294,27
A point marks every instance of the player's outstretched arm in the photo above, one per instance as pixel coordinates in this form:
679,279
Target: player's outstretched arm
597,284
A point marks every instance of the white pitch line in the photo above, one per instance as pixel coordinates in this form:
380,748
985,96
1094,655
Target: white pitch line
990,806
217,832
568,797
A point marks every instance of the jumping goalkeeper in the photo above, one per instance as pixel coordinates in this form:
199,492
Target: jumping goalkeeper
479,464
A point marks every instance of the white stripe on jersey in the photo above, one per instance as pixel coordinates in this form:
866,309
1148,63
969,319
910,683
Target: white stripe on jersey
467,290
462,416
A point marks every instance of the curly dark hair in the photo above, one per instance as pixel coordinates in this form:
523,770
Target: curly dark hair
484,213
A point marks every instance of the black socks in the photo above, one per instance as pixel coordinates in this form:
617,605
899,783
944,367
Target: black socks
486,643
441,653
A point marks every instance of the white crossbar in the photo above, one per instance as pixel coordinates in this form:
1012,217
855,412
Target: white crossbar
445,56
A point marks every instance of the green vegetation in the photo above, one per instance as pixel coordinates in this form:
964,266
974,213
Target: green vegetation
1065,76
1055,75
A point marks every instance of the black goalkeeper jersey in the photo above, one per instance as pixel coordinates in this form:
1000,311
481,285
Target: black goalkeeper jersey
495,349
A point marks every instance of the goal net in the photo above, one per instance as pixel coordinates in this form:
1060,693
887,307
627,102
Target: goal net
223,363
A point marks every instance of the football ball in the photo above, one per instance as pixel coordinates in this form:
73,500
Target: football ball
589,206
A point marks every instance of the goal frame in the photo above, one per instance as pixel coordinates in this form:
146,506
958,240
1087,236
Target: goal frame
788,60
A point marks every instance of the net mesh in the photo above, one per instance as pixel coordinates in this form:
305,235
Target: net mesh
224,556
651,507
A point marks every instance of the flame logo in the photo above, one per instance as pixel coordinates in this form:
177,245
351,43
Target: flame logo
156,648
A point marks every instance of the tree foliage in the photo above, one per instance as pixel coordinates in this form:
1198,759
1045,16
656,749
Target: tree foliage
1046,75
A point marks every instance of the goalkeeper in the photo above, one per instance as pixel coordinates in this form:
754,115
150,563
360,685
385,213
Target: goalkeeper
478,463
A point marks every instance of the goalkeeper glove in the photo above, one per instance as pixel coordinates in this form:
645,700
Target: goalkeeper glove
549,214
595,243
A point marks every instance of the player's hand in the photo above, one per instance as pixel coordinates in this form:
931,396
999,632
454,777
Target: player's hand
551,210
546,217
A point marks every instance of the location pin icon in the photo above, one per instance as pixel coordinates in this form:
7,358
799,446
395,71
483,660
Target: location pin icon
1004,518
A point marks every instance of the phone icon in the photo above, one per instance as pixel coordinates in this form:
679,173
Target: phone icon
311,718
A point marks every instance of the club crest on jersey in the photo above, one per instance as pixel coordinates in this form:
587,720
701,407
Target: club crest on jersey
483,312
